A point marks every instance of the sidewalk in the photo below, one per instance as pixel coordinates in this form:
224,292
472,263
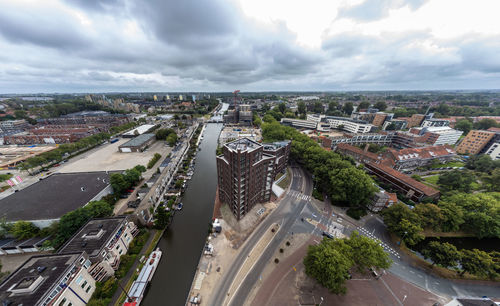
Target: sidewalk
130,273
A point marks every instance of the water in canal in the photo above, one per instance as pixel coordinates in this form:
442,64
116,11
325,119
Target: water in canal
183,242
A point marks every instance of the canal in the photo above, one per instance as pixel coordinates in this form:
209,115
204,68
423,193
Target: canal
183,242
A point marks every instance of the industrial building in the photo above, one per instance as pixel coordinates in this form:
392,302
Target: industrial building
137,144
145,128
49,199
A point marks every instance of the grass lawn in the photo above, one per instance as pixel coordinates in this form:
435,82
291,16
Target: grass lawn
452,164
433,179
286,181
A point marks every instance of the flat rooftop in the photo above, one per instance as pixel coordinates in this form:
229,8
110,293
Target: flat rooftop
13,154
243,144
138,141
48,268
92,237
53,196
140,129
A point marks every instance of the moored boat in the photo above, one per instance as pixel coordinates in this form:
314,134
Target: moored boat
136,292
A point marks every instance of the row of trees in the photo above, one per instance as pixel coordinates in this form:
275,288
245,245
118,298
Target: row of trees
334,175
476,262
330,261
477,214
154,160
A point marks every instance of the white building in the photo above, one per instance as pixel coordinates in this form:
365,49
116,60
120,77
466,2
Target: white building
435,123
59,279
297,123
446,134
494,151
349,125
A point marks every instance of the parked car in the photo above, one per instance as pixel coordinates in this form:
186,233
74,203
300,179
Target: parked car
327,234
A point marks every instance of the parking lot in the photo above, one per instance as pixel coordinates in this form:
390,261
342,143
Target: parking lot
107,158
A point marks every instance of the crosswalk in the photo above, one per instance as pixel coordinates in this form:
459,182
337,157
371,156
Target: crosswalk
386,247
299,195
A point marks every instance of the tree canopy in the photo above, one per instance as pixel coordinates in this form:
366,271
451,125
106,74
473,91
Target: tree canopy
330,261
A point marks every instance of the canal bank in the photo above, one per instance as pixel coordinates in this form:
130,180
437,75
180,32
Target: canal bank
185,237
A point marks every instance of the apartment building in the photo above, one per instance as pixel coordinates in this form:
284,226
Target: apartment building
416,120
475,142
411,158
435,123
59,279
411,188
104,240
396,124
245,175
357,139
281,152
358,154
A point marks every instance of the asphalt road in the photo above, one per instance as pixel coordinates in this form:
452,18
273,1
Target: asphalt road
286,214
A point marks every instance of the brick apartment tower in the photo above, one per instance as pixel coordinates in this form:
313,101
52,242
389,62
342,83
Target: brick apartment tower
245,175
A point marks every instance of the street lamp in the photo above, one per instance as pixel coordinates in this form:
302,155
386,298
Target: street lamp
403,237
321,301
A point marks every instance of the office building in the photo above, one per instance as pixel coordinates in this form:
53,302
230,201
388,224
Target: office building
300,124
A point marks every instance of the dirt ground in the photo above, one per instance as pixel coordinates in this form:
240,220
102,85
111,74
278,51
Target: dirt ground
107,158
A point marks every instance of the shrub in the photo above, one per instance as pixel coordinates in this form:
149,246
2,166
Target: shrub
153,160
281,250
276,260
288,243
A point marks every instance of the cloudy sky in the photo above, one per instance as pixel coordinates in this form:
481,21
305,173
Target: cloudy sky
252,45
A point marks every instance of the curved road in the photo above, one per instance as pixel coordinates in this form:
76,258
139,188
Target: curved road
286,214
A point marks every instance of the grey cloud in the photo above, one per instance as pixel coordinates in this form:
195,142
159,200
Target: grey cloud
40,28
371,10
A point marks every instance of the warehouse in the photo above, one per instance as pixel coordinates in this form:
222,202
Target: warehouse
143,129
138,144
49,199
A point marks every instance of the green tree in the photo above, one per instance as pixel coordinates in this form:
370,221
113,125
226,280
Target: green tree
478,263
328,264
348,108
463,125
485,124
492,181
162,217
481,163
118,183
367,253
430,216
172,139
132,176
24,230
301,107
409,232
363,105
380,105
443,254
351,186
318,107
456,180
282,107
453,216
140,168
